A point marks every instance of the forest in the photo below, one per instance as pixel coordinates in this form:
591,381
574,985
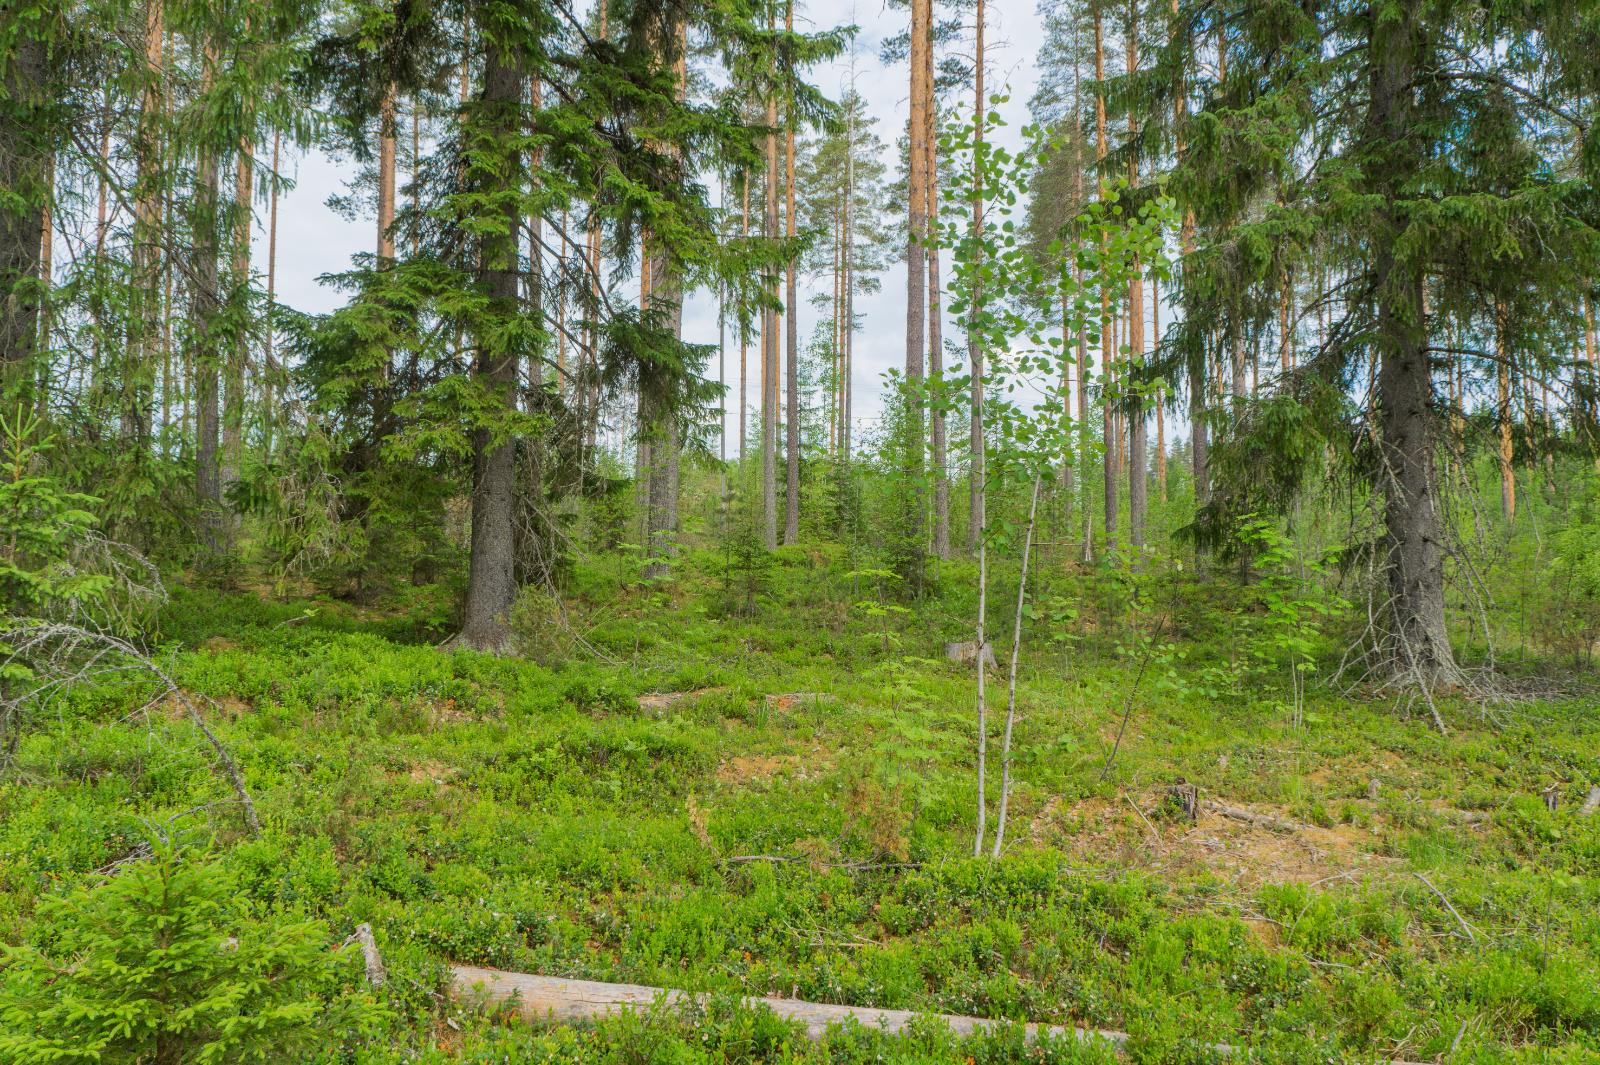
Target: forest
584,622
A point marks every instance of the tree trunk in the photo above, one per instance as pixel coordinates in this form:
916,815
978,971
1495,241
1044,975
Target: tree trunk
744,336
849,288
1138,502
1107,343
1065,475
491,583
386,176
1011,683
233,399
663,297
144,343
1161,404
791,304
24,162
938,427
1415,559
204,301
1508,477
770,343
268,362
916,279
1198,442
975,442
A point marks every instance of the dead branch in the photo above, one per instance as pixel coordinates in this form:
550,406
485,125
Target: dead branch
60,655
1462,921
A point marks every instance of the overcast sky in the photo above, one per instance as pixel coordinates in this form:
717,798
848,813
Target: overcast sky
314,240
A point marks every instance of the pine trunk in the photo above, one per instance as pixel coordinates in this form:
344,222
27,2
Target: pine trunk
1508,477
386,175
268,362
1107,322
233,399
770,346
916,279
938,427
144,343
1138,487
24,161
791,304
491,582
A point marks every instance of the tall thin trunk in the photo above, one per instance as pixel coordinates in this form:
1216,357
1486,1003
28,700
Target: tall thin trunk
233,398
769,336
1011,684
142,346
205,299
536,296
387,141
269,364
1286,326
416,179
1138,502
1067,457
791,306
744,336
916,281
102,224
1239,364
663,299
1161,404
1107,323
561,311
847,379
836,348
983,704
1508,477
976,501
1199,451
937,429
46,279
491,582
722,374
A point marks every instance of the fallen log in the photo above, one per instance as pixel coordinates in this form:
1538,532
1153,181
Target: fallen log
549,998
1250,817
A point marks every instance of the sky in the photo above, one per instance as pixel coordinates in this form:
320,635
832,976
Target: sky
314,240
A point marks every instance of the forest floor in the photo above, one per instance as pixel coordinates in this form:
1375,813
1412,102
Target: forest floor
782,804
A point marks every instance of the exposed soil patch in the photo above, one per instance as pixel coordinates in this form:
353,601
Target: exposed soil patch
789,700
760,768
1101,831
654,702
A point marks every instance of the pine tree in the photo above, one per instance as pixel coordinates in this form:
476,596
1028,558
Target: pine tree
1426,178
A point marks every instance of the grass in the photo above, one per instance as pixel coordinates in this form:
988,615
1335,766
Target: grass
542,818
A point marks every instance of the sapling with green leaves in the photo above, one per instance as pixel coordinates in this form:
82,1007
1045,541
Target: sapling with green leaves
1015,298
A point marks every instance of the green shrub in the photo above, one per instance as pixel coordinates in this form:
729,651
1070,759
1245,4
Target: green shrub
155,965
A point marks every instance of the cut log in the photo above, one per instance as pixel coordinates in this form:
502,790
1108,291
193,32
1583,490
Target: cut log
1590,804
1250,817
377,975
540,999
1186,797
965,653
550,999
